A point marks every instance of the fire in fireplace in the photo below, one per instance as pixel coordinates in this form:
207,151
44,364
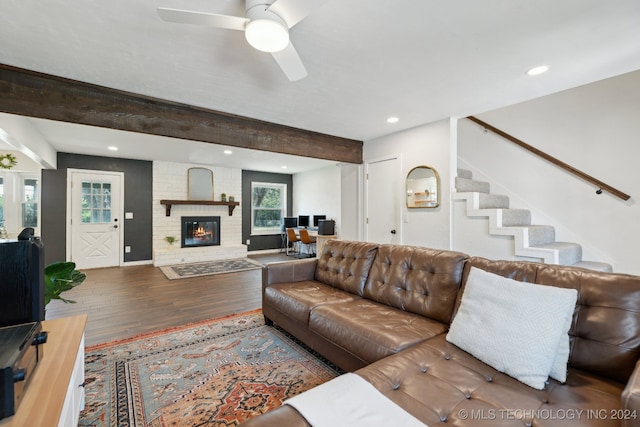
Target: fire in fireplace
200,231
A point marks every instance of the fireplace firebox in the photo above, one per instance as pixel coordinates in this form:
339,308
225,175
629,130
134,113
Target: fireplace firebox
200,231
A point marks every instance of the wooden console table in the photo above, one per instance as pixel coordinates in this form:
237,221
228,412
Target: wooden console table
169,203
55,395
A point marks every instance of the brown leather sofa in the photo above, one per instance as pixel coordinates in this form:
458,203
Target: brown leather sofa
383,311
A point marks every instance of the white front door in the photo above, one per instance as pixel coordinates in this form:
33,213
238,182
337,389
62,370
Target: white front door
382,224
95,227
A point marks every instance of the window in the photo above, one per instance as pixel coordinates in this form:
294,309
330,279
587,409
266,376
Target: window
96,202
1,201
268,207
30,202
19,202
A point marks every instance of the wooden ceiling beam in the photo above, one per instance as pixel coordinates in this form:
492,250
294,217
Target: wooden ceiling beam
33,94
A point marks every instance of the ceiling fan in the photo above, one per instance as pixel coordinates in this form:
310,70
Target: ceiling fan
266,27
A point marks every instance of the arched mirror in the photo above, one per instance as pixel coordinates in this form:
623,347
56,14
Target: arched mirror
200,186
423,188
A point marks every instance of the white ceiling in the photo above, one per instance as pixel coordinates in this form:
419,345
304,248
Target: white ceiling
419,60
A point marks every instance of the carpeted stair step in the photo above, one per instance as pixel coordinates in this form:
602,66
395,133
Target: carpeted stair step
541,235
466,185
517,222
596,266
568,253
516,217
493,201
465,173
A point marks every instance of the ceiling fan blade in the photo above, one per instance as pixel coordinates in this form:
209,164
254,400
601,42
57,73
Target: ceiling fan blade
294,11
202,18
290,63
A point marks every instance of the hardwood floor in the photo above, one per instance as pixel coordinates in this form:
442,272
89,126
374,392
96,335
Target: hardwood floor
126,301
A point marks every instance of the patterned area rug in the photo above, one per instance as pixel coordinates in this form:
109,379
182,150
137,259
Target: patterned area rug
215,373
182,271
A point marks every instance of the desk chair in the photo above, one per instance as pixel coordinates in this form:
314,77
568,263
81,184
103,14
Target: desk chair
292,239
308,241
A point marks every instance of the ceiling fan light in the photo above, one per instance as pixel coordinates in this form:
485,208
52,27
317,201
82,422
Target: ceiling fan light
267,35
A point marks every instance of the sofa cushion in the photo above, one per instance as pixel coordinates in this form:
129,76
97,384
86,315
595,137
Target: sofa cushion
418,280
370,330
522,271
345,265
606,327
288,271
442,385
298,298
605,333
513,326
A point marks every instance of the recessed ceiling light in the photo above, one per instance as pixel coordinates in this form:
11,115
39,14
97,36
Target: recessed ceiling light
227,152
112,148
538,70
283,167
392,120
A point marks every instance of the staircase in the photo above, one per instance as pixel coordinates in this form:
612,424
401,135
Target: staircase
532,241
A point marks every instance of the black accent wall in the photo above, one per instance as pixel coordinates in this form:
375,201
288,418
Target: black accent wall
138,186
262,242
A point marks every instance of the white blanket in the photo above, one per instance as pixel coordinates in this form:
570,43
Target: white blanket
349,400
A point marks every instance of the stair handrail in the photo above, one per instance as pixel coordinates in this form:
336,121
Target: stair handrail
599,184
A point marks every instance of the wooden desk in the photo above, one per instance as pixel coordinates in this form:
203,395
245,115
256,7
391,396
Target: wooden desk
54,397
321,239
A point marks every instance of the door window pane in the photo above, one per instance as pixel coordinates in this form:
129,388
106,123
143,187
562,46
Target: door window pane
96,202
106,191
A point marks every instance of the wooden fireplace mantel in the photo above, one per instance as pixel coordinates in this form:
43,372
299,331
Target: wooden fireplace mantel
169,203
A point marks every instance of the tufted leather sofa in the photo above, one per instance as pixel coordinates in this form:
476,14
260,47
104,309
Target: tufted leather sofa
383,311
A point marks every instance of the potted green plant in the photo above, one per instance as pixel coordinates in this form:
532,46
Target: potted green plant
170,239
223,196
60,277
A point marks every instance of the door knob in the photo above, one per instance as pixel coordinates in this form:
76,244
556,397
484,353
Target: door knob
393,231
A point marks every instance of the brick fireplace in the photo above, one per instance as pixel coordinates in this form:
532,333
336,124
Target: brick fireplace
170,182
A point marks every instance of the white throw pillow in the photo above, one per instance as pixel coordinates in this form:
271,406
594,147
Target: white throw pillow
559,366
513,326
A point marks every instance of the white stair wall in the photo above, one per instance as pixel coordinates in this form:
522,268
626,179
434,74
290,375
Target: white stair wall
530,241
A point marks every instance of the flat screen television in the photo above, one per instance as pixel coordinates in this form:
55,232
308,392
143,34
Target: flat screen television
303,221
290,222
317,218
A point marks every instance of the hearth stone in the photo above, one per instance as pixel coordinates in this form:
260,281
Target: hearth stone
174,255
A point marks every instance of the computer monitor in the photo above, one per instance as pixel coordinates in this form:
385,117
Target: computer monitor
303,221
317,218
290,222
